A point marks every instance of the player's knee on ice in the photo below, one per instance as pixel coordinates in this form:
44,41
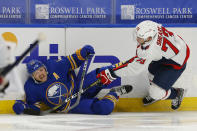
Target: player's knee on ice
94,106
103,107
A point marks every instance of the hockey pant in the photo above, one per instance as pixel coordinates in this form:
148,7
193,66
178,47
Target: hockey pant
165,75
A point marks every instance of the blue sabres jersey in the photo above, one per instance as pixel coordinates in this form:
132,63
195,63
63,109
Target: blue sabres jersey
60,84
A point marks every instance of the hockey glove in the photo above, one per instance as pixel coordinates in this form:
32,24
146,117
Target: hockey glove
87,50
19,107
106,76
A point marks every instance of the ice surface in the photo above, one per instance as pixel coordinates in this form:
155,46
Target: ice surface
160,121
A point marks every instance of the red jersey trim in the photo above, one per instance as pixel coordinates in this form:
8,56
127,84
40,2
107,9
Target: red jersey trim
177,67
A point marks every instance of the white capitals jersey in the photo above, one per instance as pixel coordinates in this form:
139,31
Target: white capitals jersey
166,45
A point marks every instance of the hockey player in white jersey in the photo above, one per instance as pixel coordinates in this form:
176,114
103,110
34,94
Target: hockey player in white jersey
164,54
8,43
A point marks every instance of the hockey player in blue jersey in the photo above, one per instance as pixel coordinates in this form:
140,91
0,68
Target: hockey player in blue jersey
54,81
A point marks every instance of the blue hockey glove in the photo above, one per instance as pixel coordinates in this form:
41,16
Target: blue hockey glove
87,50
19,107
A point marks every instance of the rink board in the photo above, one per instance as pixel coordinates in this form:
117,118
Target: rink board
127,105
117,45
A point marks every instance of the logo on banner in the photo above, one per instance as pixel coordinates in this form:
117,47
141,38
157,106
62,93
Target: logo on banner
127,12
131,12
10,12
42,11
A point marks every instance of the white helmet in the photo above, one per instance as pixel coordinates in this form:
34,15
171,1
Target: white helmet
146,29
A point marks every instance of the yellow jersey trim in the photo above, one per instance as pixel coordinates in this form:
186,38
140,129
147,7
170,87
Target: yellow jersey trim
56,76
78,52
75,65
72,65
111,98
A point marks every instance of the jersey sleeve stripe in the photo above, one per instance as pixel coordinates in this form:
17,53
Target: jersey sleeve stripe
111,98
72,65
72,59
78,52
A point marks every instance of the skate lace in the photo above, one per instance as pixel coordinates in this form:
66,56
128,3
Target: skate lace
123,90
148,98
175,101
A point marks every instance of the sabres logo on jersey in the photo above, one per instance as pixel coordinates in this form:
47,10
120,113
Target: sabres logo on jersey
56,93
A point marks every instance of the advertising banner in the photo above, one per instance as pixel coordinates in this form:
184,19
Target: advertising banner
162,11
13,11
70,12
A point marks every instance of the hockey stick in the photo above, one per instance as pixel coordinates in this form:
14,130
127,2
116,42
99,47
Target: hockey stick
125,64
8,68
80,86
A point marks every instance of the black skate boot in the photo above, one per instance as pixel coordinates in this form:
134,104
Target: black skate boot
121,90
177,101
148,100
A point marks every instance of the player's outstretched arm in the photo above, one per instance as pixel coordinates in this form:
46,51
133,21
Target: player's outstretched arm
108,75
132,66
75,60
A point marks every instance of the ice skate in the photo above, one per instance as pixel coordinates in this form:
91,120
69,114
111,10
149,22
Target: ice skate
122,90
177,101
148,100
